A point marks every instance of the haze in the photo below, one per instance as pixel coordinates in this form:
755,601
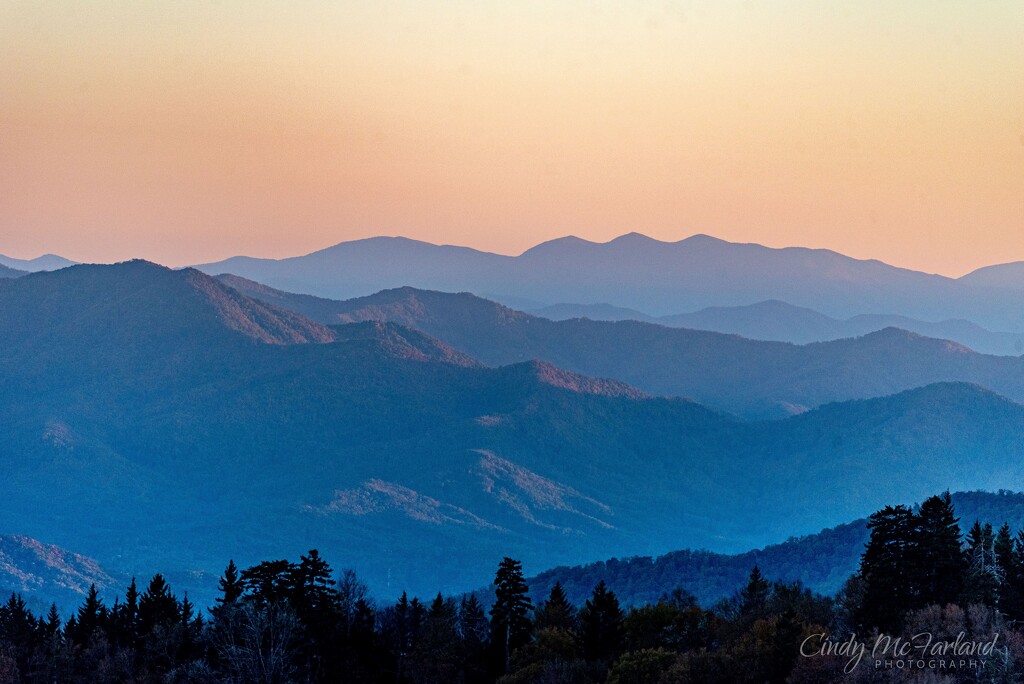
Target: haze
190,131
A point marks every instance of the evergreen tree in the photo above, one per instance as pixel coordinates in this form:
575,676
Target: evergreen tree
753,598
937,564
312,591
1013,605
436,657
556,612
510,614
125,618
269,582
52,623
985,576
473,630
230,585
190,630
19,629
314,600
90,619
158,607
1004,547
884,569
601,627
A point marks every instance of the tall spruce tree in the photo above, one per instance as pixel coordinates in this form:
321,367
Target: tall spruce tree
90,619
601,625
884,569
753,599
473,630
230,585
510,615
556,612
313,596
937,563
158,607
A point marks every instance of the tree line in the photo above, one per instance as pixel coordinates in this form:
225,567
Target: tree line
281,621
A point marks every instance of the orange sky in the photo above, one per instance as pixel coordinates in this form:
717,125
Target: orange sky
192,130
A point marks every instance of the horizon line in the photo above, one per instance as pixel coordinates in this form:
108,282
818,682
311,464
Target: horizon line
566,237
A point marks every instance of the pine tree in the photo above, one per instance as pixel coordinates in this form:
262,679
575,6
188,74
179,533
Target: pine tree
1013,605
125,617
510,614
884,569
601,625
436,657
90,619
473,630
52,624
269,582
158,607
230,585
556,612
312,591
19,630
315,602
1004,547
937,564
754,596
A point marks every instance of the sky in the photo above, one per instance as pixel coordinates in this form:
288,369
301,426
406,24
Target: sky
190,131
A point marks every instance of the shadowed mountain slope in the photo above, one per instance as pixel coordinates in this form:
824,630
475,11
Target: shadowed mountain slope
746,377
173,422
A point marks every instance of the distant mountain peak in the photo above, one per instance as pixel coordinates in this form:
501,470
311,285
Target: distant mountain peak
46,262
704,239
634,238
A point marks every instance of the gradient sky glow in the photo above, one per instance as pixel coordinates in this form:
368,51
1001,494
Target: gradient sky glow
189,131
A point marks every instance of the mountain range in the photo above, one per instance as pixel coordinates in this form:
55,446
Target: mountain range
161,419
748,378
47,262
654,277
777,321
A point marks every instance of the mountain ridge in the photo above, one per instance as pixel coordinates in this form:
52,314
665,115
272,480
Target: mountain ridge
46,262
756,379
633,271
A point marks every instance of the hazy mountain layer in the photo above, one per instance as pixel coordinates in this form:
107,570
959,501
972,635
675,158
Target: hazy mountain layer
157,419
47,262
749,378
637,272
781,322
